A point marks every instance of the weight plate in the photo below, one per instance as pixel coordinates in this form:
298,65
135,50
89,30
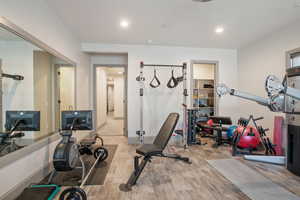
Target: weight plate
102,152
73,194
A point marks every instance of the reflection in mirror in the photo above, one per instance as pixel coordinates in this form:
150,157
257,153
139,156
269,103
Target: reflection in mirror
31,80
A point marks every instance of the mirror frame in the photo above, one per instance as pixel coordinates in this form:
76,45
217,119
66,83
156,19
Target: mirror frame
16,155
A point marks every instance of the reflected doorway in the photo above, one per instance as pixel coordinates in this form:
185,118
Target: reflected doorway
65,89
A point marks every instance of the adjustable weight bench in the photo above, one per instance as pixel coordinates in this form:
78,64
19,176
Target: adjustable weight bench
147,151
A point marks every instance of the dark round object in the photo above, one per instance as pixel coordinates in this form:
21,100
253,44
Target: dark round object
73,194
102,152
85,150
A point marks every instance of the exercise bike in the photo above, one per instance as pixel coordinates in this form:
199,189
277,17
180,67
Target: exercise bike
16,123
68,153
7,139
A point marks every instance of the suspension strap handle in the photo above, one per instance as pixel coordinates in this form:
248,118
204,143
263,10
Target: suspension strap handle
155,79
172,83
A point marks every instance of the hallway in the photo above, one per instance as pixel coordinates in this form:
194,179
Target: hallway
112,126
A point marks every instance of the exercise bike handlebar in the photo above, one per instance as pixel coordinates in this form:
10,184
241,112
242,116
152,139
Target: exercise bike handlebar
12,133
14,77
75,121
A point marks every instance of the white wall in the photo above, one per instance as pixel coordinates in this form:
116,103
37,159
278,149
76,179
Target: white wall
160,102
101,97
41,21
42,63
257,61
204,71
118,96
37,18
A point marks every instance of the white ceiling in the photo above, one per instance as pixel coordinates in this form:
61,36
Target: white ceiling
176,22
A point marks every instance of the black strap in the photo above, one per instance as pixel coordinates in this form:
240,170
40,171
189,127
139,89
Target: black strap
172,83
155,79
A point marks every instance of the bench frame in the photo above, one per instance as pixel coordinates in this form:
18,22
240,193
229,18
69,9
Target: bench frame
139,166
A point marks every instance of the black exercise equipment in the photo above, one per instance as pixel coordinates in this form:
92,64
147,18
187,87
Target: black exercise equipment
172,83
265,141
141,79
147,151
68,153
16,122
14,77
218,122
192,127
40,192
155,79
86,147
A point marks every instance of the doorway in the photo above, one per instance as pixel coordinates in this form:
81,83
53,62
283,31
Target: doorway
110,100
204,78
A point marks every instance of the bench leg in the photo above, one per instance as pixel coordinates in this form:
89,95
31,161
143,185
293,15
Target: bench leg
138,168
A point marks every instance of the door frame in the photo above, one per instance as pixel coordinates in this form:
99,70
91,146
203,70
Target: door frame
125,101
216,80
56,88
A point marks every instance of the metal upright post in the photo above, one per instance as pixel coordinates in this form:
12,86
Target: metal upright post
185,94
141,80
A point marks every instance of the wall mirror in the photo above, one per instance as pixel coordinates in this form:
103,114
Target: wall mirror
35,86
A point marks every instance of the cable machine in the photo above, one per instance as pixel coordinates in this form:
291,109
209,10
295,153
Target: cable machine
141,79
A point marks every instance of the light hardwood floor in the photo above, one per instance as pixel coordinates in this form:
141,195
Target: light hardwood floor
113,127
166,179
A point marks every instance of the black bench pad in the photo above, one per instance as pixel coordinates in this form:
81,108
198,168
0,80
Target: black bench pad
149,150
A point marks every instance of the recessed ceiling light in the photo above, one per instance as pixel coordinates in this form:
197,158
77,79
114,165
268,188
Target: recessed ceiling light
124,23
203,1
219,30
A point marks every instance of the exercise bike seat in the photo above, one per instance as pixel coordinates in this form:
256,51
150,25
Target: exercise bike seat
149,150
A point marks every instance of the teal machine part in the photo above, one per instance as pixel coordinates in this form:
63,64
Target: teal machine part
230,131
53,194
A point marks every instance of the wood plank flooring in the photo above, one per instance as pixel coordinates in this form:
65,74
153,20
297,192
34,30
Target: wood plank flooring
167,179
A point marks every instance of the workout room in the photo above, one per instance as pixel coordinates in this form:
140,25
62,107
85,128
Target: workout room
137,99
